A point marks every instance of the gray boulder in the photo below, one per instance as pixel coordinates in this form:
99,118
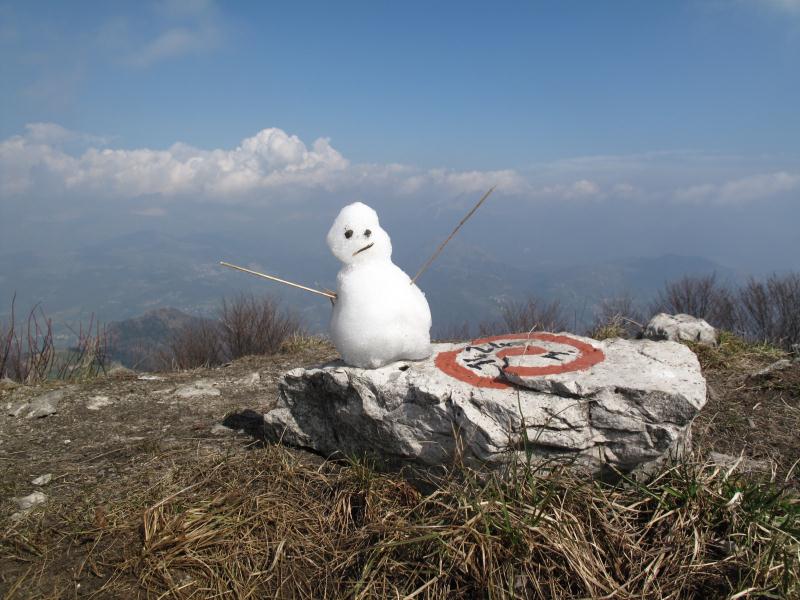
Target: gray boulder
41,406
680,328
600,405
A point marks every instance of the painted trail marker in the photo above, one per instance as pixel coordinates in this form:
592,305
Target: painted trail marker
599,405
482,362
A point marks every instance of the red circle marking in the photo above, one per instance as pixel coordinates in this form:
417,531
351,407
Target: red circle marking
588,356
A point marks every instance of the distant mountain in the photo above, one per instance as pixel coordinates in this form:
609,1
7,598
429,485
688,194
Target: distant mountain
137,343
471,291
142,273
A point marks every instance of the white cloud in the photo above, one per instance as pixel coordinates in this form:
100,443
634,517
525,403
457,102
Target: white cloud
55,134
150,211
582,189
624,190
270,161
790,6
49,160
740,191
190,27
173,43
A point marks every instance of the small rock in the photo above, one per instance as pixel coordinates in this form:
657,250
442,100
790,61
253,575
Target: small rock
148,377
680,328
197,389
16,410
250,380
30,501
743,464
41,406
8,384
98,402
43,479
120,372
778,365
219,429
66,442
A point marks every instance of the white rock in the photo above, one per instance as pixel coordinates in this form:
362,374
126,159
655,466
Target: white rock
30,501
629,409
250,380
42,406
149,377
197,389
680,328
220,429
740,463
43,479
777,366
98,402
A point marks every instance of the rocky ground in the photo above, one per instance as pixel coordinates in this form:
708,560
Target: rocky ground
68,457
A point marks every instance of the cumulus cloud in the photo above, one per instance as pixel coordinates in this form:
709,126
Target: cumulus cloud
48,160
739,191
582,189
271,160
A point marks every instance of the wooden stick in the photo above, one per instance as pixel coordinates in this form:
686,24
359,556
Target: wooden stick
450,237
330,295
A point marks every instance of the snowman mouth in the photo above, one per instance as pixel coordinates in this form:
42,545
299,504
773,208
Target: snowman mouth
367,247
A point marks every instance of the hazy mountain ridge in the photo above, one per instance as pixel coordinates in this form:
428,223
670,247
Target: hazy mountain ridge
126,276
138,342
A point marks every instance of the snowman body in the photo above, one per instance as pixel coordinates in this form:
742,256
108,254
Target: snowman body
379,315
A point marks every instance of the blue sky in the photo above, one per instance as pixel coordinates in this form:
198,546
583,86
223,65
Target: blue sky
679,119
468,85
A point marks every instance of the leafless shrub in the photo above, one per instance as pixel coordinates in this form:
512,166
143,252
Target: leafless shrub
88,357
247,326
770,310
701,297
454,332
617,317
195,345
28,356
533,314
31,356
251,325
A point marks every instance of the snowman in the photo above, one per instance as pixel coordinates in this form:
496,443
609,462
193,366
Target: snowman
379,315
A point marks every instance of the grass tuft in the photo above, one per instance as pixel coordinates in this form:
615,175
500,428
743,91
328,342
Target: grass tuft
733,351
300,342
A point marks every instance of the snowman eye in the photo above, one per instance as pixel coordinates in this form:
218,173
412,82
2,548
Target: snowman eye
348,234
367,233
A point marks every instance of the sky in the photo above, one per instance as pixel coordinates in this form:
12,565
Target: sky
637,128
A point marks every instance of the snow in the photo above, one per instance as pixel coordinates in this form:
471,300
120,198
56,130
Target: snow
379,316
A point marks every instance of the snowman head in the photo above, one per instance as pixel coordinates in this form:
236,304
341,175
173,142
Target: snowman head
356,236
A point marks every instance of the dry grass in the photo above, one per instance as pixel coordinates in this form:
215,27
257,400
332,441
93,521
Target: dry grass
300,341
274,524
756,415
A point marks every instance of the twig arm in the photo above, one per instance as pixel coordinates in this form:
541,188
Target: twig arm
450,237
331,295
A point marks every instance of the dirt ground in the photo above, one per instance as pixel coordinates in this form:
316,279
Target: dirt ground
147,425
144,427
